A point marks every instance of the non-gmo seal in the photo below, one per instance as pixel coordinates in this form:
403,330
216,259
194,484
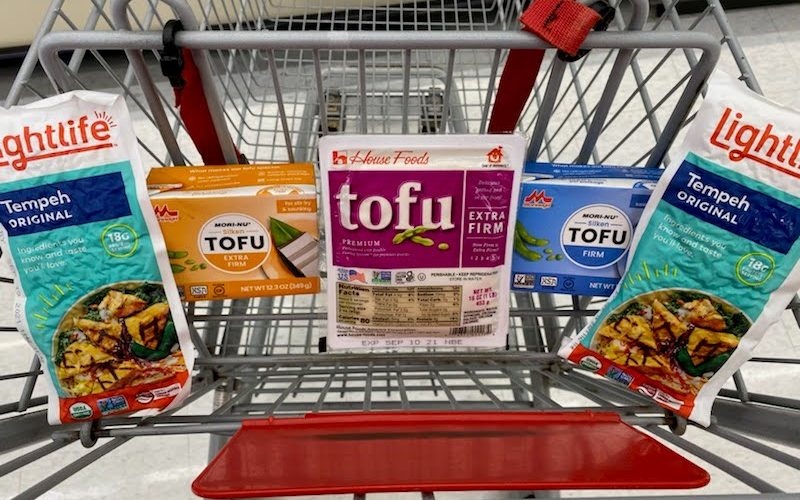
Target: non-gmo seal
596,236
590,363
80,411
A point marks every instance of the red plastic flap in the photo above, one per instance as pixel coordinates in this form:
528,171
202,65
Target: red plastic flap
441,451
516,84
563,23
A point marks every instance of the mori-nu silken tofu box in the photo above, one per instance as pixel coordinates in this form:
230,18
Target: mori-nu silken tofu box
239,231
574,226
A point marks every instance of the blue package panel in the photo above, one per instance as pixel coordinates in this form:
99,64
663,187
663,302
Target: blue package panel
573,235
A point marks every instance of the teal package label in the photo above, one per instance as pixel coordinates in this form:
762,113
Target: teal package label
716,231
72,233
713,263
716,247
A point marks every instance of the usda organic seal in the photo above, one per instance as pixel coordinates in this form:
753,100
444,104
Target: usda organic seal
80,411
590,363
596,236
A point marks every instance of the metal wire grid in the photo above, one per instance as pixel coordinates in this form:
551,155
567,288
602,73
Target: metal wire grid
446,382
283,374
246,83
393,91
240,15
292,325
379,104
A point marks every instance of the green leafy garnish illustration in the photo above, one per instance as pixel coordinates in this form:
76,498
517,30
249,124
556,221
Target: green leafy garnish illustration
283,233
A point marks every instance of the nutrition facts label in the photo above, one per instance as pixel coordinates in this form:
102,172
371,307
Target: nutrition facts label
399,306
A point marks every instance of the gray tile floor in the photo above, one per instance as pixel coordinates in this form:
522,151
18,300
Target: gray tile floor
163,467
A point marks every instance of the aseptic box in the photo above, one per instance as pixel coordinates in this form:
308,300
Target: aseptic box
239,231
574,226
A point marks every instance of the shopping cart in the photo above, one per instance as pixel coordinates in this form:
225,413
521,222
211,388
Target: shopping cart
279,74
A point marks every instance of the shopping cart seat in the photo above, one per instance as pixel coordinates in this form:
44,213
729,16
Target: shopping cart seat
441,451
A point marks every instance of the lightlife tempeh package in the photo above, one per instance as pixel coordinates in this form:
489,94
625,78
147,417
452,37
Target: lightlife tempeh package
237,231
95,296
419,238
714,261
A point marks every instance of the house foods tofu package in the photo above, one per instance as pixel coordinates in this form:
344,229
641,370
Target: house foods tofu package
95,297
419,234
237,231
714,258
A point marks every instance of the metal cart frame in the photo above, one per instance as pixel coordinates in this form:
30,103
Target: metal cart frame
274,86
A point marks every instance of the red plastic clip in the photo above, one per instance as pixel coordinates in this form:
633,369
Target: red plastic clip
562,23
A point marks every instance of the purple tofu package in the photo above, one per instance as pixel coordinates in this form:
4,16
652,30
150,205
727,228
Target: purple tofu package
419,238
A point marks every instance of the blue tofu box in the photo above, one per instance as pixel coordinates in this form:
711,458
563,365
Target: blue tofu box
574,226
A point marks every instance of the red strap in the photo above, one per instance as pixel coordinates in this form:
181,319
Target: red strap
562,23
515,86
193,108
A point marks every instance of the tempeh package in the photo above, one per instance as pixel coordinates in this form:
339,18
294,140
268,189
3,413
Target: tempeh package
714,260
95,296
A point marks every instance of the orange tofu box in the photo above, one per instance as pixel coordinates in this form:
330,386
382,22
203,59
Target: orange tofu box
239,231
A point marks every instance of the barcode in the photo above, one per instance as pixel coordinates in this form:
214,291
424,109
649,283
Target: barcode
472,330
